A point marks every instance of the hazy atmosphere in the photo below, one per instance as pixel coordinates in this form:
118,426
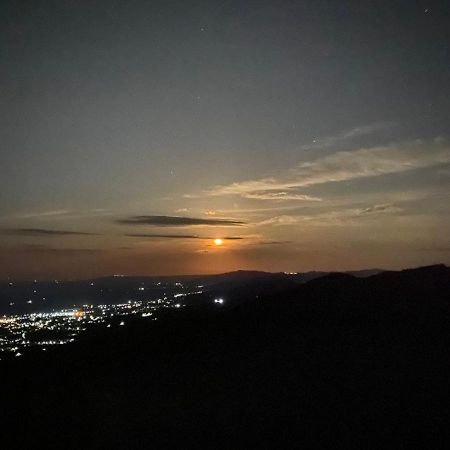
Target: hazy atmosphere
174,137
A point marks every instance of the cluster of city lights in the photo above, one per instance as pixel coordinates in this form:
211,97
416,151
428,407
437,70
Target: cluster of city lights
42,330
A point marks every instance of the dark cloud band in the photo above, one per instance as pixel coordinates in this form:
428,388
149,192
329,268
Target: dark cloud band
177,221
181,236
44,232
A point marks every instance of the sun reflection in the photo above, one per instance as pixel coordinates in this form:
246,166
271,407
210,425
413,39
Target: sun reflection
218,241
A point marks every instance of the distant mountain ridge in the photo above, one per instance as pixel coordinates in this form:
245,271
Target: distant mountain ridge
17,298
236,273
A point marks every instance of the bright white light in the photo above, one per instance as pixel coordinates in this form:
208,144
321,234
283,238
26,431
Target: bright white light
122,323
218,300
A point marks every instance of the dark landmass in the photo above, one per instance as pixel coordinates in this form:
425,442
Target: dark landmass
37,296
340,361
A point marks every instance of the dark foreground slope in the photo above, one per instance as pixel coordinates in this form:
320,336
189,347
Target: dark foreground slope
337,362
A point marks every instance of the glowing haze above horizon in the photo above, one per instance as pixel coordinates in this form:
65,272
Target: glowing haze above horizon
174,137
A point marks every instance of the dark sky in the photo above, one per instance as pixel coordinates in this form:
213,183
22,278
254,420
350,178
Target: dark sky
135,132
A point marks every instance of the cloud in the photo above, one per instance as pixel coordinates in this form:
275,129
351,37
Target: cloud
52,213
329,141
343,216
279,195
212,212
177,221
386,208
43,232
283,220
62,214
344,166
182,236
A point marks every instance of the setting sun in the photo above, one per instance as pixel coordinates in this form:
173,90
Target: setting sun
218,241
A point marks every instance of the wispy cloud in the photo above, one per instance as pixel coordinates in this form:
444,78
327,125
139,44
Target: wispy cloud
330,141
280,195
386,208
283,220
43,232
342,216
212,212
182,236
61,214
343,166
43,214
177,221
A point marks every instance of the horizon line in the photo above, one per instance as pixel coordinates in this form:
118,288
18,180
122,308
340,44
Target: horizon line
53,279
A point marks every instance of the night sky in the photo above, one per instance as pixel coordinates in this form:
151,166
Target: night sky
306,135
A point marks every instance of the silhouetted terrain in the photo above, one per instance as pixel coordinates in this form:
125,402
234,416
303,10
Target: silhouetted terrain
37,296
338,361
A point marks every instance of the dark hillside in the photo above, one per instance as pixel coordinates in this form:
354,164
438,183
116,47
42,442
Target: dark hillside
337,362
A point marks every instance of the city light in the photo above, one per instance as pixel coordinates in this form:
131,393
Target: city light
41,330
